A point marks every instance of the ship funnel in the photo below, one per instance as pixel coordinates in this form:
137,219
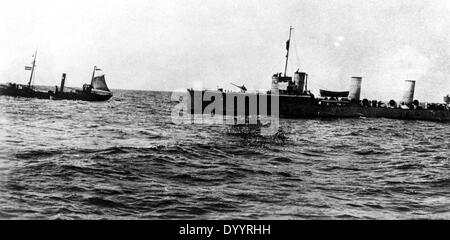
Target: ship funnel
299,81
275,80
408,96
447,99
63,81
355,88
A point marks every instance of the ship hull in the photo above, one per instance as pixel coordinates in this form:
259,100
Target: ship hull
81,96
410,114
22,91
292,106
200,102
26,92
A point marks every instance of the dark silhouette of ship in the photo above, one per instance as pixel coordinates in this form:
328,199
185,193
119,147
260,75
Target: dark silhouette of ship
96,91
294,100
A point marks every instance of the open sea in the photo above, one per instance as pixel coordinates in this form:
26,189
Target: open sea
126,159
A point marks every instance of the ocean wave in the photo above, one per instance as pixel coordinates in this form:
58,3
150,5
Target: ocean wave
126,159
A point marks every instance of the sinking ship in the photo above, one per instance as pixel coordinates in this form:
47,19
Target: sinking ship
290,98
96,91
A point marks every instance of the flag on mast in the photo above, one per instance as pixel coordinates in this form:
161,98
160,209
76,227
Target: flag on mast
28,68
287,47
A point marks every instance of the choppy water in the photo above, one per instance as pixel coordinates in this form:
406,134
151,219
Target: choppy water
126,159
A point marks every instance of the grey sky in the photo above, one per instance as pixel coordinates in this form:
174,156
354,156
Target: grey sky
168,45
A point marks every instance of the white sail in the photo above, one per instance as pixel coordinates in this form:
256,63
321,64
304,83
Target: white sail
100,83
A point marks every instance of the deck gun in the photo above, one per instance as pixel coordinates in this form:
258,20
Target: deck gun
243,88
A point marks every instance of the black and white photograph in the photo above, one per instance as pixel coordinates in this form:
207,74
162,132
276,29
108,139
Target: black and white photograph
224,110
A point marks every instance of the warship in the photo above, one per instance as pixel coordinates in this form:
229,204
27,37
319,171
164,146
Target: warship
96,91
294,100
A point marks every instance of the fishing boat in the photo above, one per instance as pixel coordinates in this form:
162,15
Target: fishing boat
22,90
96,91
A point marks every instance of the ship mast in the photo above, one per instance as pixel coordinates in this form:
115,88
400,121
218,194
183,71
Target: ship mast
93,75
288,43
32,68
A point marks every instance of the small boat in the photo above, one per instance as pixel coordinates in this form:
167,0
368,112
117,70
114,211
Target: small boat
22,90
325,93
95,92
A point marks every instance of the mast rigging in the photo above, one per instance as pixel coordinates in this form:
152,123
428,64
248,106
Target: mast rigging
32,68
288,43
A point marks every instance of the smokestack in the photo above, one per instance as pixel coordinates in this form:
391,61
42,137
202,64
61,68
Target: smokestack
63,81
408,96
299,80
355,88
275,80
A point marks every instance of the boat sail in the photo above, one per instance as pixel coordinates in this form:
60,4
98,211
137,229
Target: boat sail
96,91
99,83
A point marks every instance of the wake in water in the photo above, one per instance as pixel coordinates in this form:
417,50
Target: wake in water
252,133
